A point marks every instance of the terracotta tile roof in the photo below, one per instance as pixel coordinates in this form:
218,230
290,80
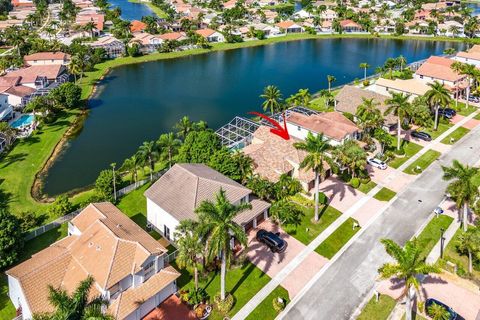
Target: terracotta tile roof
274,156
333,125
29,74
474,55
110,248
128,300
285,24
47,56
350,97
20,91
205,32
439,68
97,18
173,36
183,188
137,26
349,23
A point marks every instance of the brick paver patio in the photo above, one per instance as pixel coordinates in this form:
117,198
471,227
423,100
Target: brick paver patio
171,309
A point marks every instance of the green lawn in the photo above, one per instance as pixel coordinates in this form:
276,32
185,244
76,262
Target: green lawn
429,237
7,310
378,310
410,148
477,117
366,187
319,103
461,260
384,194
423,162
456,135
442,127
242,282
265,311
462,108
309,230
337,239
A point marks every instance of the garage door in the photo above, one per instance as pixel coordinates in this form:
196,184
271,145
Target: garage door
249,225
147,306
260,218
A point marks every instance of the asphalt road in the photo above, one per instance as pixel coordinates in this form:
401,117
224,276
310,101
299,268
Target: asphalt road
345,284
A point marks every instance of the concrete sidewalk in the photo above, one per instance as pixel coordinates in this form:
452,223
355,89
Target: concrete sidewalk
434,255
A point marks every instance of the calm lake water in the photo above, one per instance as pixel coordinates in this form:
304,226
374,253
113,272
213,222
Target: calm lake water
139,102
475,7
132,11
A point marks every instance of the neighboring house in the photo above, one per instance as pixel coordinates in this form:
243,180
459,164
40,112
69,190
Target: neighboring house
328,15
177,36
175,196
349,98
413,87
137,26
148,43
38,76
471,56
126,263
211,35
47,58
113,47
97,18
439,69
350,26
302,14
451,29
290,27
267,29
11,88
273,156
333,125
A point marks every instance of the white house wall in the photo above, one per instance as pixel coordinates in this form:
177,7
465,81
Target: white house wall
17,297
159,218
467,60
302,133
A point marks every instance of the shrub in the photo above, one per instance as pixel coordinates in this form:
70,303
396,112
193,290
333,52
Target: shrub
224,306
366,83
28,221
278,304
104,185
355,182
194,297
11,238
400,152
365,180
61,206
349,116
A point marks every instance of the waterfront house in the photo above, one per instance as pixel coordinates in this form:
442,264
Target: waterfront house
47,58
177,36
211,35
97,18
127,264
471,56
274,156
451,29
413,87
290,27
350,26
113,47
39,76
148,43
349,98
175,196
335,127
15,92
267,29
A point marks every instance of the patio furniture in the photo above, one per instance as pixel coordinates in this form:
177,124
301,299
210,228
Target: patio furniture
203,311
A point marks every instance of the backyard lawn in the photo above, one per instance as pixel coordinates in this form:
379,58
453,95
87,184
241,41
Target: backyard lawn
384,194
319,103
410,150
429,237
337,239
367,187
265,311
308,229
378,310
456,135
419,165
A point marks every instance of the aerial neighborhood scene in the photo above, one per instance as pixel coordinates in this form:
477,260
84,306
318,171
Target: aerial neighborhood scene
240,159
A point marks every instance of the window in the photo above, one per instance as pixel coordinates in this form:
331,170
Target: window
421,77
299,128
149,270
114,289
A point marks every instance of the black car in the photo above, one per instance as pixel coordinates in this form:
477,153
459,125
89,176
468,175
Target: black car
421,135
447,113
272,240
453,314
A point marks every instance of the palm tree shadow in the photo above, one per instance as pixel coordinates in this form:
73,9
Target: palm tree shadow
10,159
338,187
248,270
260,255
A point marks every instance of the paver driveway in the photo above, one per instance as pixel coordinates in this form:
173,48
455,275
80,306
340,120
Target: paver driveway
390,178
470,124
271,263
341,196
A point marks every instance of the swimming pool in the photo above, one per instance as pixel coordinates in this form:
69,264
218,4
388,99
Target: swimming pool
24,120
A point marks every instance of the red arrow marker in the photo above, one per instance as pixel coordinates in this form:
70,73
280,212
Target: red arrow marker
278,130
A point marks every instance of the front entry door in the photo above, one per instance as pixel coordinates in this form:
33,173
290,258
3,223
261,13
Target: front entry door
166,232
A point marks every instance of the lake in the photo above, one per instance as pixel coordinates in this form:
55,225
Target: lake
132,10
139,102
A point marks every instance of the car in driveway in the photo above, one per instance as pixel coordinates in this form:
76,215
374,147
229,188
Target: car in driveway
421,135
377,163
453,314
272,240
447,113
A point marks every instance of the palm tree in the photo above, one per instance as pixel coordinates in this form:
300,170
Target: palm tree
469,241
7,132
449,51
190,247
461,187
170,145
273,98
402,61
245,166
471,72
368,115
90,28
74,68
184,126
330,80
437,95
77,306
217,229
351,155
327,97
438,312
398,105
149,152
316,148
457,67
132,165
364,66
408,264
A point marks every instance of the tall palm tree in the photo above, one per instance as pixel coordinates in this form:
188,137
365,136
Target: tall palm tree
316,148
132,165
170,145
398,105
149,152
90,28
77,306
368,115
437,96
469,241
327,97
184,126
273,98
74,68
408,264
218,227
364,66
461,187
402,61
330,79
190,247
471,72
245,166
457,66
